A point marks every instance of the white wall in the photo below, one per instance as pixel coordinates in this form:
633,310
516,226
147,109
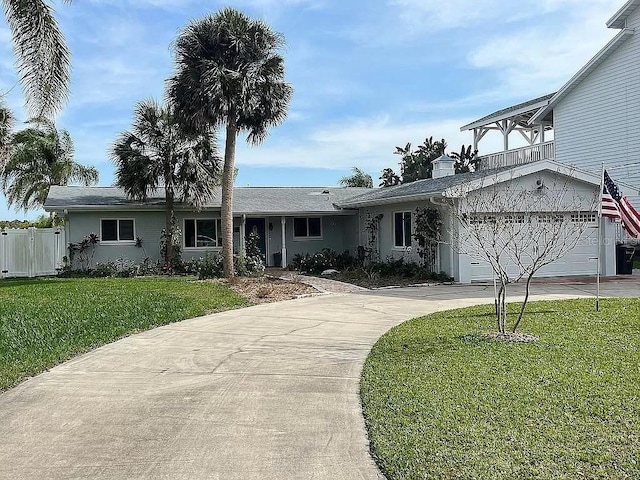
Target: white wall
559,195
599,121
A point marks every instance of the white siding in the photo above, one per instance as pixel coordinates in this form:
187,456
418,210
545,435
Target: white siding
599,121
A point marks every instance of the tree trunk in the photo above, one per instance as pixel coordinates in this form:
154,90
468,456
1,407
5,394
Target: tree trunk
502,307
524,303
498,302
168,218
227,195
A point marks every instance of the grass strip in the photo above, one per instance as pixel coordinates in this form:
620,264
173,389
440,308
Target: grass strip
44,322
442,401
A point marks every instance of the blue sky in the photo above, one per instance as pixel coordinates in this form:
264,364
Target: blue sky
367,75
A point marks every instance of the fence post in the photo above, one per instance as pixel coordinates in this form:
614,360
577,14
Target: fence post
31,269
3,254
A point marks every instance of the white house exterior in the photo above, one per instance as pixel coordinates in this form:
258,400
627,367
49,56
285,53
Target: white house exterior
288,220
294,220
593,119
455,255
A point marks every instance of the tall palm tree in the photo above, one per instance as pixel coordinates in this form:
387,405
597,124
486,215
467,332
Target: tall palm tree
40,156
158,152
42,57
229,73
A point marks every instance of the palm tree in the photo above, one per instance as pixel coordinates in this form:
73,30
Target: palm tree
39,157
156,153
466,160
389,178
229,73
42,57
6,127
358,178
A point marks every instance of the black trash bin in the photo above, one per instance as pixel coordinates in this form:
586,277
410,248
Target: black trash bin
624,259
277,259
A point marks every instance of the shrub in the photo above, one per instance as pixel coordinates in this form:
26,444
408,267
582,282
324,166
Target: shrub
322,260
253,263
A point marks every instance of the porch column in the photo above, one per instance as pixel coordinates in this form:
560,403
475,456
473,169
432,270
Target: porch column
283,222
241,237
541,133
505,134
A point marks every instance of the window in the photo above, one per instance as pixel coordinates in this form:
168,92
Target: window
550,218
584,217
515,218
117,230
202,233
402,229
481,219
307,227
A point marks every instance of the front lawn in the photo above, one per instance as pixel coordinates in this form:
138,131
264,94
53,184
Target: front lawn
442,401
47,321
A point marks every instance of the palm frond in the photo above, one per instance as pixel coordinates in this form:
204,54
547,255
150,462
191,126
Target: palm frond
42,57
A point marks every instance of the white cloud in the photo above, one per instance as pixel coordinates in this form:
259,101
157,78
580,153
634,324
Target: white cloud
421,15
367,143
541,58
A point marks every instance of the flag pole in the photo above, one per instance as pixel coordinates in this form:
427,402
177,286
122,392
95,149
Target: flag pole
599,237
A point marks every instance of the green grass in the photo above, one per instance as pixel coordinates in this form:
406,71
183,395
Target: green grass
45,322
441,401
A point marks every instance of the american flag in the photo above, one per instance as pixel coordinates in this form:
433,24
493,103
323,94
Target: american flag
614,205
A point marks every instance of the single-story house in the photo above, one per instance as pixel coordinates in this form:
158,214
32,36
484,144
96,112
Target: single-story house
296,220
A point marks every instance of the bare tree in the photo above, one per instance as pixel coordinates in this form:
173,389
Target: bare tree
519,225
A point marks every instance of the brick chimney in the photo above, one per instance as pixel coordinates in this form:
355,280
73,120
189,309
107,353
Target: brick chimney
443,167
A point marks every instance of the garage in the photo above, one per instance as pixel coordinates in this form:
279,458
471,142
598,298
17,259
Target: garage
581,259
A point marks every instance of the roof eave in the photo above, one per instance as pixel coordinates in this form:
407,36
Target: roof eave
497,118
146,208
298,213
619,19
60,208
391,200
520,171
604,53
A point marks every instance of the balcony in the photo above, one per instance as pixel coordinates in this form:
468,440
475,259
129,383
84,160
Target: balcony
519,156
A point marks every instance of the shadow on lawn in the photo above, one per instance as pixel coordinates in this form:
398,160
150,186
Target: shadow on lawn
17,282
492,314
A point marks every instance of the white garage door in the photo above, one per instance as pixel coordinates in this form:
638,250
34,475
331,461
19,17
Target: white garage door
581,260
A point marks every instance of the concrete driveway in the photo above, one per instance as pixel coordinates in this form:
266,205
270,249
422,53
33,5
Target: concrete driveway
267,392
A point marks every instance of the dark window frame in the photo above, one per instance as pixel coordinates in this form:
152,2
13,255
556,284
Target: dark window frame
118,238
308,228
217,241
404,239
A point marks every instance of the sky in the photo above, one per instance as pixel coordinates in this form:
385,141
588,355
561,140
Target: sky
367,75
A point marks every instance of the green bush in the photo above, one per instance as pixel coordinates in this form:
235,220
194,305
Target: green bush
322,260
209,266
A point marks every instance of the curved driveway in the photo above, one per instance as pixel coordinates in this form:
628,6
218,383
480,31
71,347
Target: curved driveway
267,392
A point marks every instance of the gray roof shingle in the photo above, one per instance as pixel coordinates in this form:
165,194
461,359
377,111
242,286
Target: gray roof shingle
420,188
249,200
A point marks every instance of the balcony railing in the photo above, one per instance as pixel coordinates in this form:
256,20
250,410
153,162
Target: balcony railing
519,156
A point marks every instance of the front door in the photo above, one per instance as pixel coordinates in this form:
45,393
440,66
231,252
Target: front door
257,225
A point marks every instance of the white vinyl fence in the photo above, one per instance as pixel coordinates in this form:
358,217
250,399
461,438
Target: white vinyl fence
31,252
